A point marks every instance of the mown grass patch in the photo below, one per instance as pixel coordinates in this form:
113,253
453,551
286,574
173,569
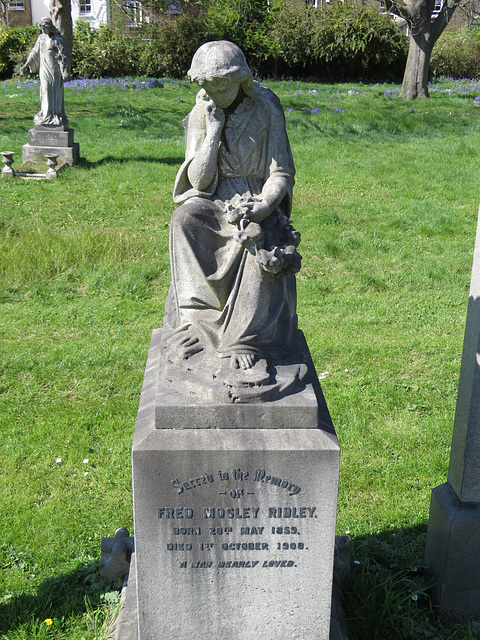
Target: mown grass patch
386,199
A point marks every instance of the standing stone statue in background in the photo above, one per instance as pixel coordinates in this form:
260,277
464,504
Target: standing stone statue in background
232,301
49,58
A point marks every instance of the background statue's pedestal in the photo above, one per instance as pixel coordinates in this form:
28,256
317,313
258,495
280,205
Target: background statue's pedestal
51,140
234,528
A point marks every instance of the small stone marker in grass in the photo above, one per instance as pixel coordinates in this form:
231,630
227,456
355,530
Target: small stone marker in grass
453,540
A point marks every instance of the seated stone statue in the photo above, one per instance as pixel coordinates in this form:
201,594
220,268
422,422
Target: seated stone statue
49,58
232,246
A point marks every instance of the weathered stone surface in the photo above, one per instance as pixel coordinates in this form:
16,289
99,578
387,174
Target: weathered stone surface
453,542
453,538
49,57
235,459
7,160
232,529
184,407
70,155
127,621
464,469
50,136
116,555
230,325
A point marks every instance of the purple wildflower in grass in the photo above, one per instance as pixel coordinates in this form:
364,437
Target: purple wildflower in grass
337,110
289,110
315,111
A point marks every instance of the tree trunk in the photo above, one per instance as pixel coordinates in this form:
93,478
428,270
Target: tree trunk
415,78
4,13
61,15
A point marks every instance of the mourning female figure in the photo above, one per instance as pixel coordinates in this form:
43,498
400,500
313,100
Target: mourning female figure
232,246
49,58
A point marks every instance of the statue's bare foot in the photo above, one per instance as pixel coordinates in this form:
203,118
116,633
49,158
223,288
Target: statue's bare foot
247,370
243,361
186,344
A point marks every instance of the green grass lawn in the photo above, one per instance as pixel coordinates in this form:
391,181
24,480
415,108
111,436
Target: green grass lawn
386,200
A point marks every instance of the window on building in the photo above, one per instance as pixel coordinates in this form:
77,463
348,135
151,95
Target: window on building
16,5
85,7
318,3
134,12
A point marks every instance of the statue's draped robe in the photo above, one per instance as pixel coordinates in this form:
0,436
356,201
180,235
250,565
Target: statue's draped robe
45,59
217,285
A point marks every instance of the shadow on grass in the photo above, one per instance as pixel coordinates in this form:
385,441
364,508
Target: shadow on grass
57,597
387,595
87,164
385,598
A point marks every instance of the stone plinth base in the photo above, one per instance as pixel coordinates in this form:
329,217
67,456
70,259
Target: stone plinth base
452,553
234,528
127,623
43,141
184,407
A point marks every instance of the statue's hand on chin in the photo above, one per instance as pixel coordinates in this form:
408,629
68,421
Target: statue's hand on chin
215,117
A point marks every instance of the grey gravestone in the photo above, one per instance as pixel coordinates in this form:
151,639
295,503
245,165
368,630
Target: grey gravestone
51,140
234,528
453,540
235,459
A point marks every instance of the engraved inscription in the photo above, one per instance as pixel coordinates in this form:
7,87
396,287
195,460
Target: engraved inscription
266,532
239,475
191,484
178,512
187,531
291,512
230,512
262,476
251,531
245,546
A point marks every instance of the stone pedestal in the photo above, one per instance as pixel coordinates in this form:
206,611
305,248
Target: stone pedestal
453,538
452,553
234,527
51,140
